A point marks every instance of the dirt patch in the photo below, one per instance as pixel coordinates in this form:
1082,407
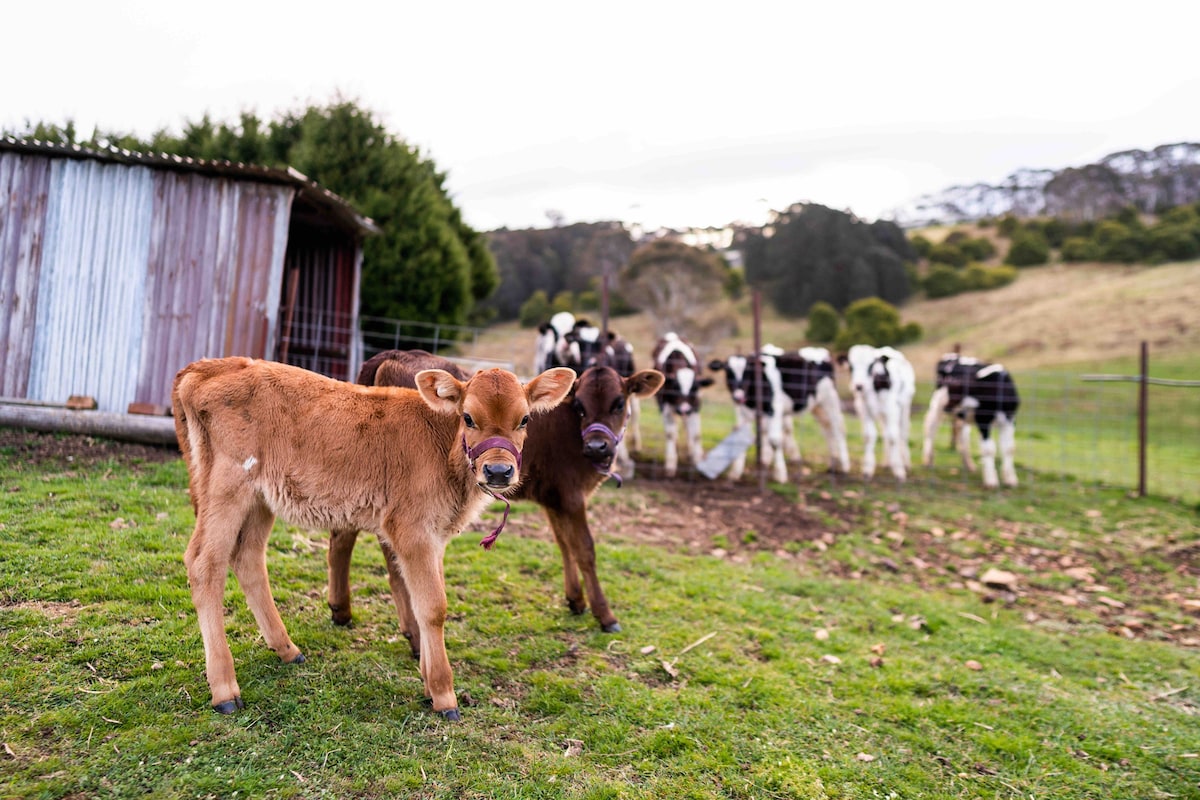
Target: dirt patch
61,451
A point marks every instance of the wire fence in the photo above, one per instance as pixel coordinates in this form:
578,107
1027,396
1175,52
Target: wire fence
1069,425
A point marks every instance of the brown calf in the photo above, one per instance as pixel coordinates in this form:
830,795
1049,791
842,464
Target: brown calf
263,439
568,453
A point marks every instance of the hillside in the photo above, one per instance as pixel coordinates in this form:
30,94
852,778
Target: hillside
1051,316
1168,175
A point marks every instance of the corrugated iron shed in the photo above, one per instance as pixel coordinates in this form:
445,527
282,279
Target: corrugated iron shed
118,268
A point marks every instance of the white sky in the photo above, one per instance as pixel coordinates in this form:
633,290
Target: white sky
664,113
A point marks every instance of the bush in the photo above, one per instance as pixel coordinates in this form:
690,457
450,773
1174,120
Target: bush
920,245
979,249
978,277
1008,225
823,323
872,321
535,310
1079,248
1173,242
1028,249
945,253
1118,242
942,281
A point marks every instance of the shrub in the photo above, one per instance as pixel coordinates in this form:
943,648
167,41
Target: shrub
873,321
823,323
942,281
1028,249
1079,248
978,277
1008,225
950,254
1118,242
535,310
920,245
1172,242
979,249
911,332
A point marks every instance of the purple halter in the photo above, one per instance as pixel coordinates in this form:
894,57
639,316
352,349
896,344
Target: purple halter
600,427
474,453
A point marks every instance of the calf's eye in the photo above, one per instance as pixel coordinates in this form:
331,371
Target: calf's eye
470,423
524,422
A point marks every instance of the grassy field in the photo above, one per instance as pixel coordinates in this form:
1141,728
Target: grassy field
870,662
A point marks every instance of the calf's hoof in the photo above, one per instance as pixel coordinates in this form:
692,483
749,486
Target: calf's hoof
577,606
612,627
451,715
340,616
229,706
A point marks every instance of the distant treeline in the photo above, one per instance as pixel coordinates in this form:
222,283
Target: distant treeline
808,254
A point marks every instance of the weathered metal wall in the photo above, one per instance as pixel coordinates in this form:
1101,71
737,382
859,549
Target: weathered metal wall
214,275
24,185
91,284
113,276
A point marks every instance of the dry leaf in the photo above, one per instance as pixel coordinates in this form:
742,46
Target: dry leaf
974,665
821,634
999,577
648,649
670,669
876,662
574,748
830,659
866,757
879,649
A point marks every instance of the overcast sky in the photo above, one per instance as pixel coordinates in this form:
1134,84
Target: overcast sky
664,113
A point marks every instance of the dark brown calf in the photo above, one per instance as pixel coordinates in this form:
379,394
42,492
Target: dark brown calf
568,453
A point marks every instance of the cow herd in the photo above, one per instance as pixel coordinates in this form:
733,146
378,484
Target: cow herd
417,448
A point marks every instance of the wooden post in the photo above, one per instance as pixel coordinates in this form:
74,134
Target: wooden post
1144,376
758,395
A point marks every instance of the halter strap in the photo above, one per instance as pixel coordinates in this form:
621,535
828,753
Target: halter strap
600,427
475,452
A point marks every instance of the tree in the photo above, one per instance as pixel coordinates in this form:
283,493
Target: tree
811,253
427,264
679,285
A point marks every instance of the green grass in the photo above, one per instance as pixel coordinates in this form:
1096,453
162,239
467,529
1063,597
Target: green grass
102,691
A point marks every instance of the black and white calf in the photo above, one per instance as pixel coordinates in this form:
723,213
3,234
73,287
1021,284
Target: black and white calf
969,388
553,346
679,397
884,383
792,384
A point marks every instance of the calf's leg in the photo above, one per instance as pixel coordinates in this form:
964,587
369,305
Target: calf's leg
250,567
574,539
420,556
1007,434
671,432
933,418
341,548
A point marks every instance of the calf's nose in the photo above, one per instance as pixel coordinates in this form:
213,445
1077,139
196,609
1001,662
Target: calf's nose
596,449
498,474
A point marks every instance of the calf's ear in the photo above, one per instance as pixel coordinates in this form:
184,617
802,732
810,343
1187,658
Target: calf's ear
440,390
705,382
549,389
644,383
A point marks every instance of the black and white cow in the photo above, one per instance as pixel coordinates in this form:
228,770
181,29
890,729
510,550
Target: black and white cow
792,384
679,397
969,388
884,383
553,348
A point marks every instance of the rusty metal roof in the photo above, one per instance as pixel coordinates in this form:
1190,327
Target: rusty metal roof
307,189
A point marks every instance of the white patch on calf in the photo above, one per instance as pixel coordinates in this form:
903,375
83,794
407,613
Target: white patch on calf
249,463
